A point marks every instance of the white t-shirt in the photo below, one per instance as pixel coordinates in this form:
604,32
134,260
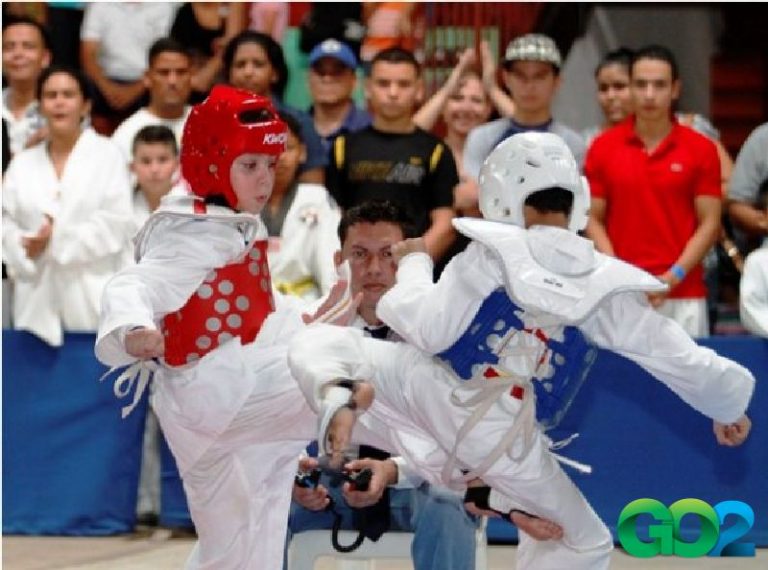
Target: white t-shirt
125,32
754,292
20,130
125,133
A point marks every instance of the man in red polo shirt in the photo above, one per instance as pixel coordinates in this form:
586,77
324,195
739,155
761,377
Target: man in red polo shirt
656,193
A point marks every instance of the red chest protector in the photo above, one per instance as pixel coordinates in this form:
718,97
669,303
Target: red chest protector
234,300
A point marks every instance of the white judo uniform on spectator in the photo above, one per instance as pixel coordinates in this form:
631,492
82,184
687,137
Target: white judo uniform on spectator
501,319
301,259
91,207
753,298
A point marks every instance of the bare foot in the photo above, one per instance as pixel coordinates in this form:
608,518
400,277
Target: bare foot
538,528
362,395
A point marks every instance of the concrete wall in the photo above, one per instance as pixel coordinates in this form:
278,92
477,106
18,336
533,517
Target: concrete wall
690,32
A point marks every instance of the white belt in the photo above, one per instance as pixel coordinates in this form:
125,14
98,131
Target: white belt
139,373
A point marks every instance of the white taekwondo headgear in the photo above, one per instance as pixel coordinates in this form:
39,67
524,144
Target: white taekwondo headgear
523,164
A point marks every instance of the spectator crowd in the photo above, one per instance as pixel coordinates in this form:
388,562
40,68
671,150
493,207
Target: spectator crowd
91,145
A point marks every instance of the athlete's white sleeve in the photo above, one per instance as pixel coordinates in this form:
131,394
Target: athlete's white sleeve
432,316
407,478
715,386
753,298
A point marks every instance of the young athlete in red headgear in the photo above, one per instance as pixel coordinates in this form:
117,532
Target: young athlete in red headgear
198,309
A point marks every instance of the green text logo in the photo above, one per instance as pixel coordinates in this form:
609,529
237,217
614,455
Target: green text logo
664,532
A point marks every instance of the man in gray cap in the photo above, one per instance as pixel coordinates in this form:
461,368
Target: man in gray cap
531,71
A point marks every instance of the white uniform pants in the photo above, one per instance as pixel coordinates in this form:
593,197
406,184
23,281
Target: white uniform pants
239,489
413,394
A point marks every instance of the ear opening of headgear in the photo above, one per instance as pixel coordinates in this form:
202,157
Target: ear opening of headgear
229,123
526,163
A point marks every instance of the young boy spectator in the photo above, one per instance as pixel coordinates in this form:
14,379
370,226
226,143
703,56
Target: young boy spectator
155,160
301,220
168,82
395,160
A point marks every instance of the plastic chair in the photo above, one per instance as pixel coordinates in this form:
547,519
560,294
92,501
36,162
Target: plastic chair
306,547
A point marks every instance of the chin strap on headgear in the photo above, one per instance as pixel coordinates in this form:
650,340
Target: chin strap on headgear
229,123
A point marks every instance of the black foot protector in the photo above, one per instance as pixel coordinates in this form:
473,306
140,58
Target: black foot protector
480,497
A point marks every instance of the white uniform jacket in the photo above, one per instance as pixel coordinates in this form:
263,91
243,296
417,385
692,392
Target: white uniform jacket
301,259
754,292
175,254
558,277
91,208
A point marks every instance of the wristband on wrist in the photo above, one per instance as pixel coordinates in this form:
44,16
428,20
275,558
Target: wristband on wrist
678,271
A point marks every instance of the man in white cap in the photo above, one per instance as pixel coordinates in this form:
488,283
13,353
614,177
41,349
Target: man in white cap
531,72
332,80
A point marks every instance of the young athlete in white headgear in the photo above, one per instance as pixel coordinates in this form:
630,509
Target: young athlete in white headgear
511,322
198,309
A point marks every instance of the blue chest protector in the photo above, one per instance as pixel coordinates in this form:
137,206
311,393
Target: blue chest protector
569,360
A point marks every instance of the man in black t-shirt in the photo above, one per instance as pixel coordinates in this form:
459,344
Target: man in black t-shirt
395,160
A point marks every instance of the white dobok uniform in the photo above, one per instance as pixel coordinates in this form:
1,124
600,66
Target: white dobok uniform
301,259
234,418
497,320
91,208
753,298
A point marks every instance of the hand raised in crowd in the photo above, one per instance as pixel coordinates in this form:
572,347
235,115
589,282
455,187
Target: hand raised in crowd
501,100
733,435
408,246
465,196
466,59
311,498
384,473
145,343
489,68
35,245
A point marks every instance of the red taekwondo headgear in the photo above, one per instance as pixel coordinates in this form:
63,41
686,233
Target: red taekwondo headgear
230,122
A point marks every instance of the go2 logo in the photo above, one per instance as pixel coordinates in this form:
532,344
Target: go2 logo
665,531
